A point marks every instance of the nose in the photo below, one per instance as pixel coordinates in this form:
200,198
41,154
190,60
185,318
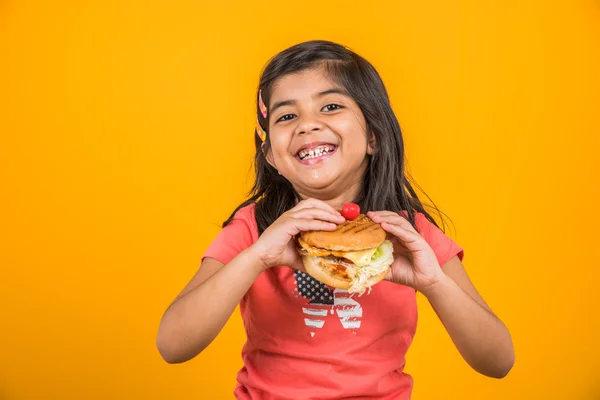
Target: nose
308,124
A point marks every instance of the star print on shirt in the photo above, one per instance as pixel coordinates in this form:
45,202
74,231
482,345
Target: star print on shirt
310,288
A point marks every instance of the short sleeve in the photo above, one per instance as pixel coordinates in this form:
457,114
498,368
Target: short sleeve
443,247
237,236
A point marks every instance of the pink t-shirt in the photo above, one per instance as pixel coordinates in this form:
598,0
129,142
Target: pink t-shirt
305,341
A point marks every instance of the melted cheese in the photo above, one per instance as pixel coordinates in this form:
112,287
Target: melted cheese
360,258
313,251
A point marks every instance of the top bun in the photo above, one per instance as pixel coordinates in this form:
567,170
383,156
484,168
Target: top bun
360,233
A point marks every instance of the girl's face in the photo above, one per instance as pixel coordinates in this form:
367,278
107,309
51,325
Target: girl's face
318,135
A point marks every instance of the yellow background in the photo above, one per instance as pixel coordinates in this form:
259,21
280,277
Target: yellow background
126,138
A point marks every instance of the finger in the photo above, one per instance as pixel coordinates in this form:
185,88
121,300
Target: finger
380,212
382,215
392,218
389,217
314,203
410,239
303,225
294,226
319,214
399,248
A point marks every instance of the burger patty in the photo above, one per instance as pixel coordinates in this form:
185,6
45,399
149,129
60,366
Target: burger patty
337,269
359,257
336,266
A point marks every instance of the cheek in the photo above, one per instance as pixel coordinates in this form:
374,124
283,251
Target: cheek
346,127
354,150
279,149
358,151
350,129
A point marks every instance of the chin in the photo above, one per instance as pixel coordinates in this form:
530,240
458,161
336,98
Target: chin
316,180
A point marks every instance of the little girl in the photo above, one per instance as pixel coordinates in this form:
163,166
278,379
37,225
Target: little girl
326,136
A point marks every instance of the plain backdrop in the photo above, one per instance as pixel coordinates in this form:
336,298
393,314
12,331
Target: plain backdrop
126,134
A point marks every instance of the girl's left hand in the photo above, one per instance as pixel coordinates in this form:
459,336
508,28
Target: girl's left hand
415,263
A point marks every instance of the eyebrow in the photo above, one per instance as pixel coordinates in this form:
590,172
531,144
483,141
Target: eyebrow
320,94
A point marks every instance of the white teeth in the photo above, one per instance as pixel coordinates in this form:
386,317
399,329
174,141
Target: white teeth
317,152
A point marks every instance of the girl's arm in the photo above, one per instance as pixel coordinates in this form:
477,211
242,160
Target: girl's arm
199,313
480,337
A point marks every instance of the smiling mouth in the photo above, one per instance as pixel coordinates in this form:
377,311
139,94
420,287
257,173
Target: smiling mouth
319,151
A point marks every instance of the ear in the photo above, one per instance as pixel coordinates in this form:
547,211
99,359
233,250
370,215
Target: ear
268,155
371,144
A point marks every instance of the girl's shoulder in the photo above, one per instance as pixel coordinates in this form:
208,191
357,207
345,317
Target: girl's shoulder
244,219
236,236
246,213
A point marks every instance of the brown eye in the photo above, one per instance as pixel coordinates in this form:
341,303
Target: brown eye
286,117
331,107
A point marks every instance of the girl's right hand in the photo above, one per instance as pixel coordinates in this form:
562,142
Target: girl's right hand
276,246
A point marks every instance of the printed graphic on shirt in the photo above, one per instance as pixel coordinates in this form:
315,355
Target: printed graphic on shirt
310,288
348,311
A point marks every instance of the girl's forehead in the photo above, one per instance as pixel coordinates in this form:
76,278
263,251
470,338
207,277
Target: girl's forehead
306,83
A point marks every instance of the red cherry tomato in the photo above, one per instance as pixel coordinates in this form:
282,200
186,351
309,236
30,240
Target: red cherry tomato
350,211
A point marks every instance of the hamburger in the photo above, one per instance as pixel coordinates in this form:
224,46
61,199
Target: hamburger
353,257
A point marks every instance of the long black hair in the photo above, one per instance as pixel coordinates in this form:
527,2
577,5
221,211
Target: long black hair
385,184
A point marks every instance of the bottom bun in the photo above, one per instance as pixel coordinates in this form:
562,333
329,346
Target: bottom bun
334,280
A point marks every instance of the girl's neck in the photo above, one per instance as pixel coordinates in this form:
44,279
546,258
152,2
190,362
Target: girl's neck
335,198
